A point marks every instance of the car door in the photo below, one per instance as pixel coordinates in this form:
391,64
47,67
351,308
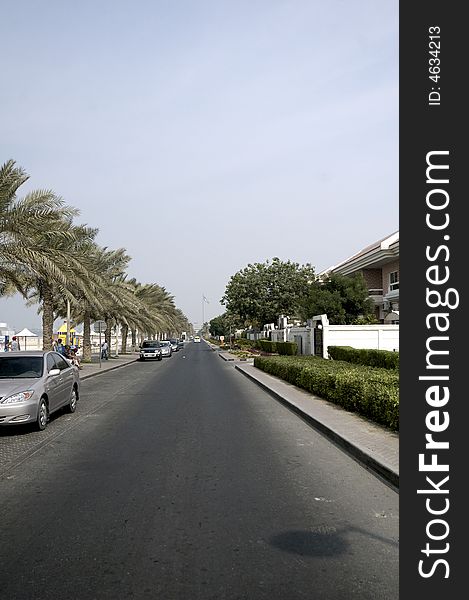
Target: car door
66,378
53,385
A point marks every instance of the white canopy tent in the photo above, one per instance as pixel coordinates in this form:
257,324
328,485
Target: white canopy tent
25,333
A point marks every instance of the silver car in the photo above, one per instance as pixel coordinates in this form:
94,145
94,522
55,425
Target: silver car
34,384
166,349
174,344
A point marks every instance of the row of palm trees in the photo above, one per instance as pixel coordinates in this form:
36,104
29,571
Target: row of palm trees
56,263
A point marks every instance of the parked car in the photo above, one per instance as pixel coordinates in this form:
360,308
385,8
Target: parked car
196,338
174,344
180,344
166,349
150,349
34,384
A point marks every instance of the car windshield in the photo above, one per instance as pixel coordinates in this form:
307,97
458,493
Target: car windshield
165,343
150,345
21,367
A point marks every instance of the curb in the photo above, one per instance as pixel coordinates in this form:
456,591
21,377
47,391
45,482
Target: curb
367,460
83,377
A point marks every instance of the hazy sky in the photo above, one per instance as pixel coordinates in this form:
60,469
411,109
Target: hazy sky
203,135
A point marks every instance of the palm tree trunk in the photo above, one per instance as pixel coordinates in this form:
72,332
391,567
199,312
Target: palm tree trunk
124,332
87,337
134,340
107,333
47,316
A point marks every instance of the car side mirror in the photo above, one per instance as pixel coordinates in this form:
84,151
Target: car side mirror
54,372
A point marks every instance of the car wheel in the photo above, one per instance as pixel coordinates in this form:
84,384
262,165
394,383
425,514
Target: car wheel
42,415
72,405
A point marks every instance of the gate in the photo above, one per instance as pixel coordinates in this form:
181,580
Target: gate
318,342
298,339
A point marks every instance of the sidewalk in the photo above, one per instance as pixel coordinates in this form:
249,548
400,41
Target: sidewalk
373,446
93,368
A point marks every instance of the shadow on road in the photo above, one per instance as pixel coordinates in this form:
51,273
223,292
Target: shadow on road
326,541
310,543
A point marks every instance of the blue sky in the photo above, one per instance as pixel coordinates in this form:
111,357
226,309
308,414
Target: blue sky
205,135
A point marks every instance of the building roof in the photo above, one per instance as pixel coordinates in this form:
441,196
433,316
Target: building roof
373,256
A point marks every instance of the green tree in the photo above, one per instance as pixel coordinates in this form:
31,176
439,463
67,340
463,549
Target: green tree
224,324
344,299
261,292
217,326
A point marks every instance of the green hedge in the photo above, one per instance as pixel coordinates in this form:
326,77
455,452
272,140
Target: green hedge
267,345
287,348
372,392
384,359
243,342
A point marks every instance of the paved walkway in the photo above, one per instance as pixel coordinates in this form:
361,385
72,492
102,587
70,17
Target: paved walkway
372,445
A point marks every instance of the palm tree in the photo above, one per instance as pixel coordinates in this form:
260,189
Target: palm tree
159,314
22,221
104,267
40,246
79,281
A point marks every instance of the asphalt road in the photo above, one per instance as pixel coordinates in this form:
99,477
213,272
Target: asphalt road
182,479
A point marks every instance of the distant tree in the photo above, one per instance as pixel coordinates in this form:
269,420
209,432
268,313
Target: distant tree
344,299
217,326
261,292
224,324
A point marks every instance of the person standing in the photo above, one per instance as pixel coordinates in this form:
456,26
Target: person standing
104,350
60,347
15,344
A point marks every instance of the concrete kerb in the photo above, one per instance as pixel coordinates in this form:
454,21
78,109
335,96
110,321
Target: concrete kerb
227,356
357,448
106,370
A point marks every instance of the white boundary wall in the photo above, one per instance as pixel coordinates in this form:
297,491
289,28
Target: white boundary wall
378,337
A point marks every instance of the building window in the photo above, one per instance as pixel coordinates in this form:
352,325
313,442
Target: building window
393,281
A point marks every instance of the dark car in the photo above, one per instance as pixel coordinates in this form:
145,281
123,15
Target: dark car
34,384
180,344
150,349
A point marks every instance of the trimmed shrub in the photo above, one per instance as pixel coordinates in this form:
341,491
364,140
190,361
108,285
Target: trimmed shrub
370,391
244,343
267,345
384,359
287,348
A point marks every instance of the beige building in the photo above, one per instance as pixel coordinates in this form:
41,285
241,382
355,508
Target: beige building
379,265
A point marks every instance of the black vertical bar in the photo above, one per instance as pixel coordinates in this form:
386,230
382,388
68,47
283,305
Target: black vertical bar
433,128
